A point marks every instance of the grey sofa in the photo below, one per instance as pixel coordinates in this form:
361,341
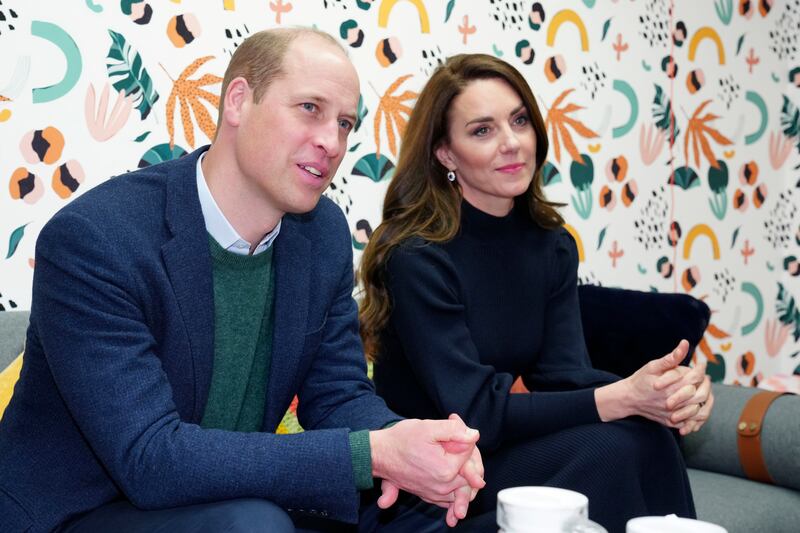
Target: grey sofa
721,492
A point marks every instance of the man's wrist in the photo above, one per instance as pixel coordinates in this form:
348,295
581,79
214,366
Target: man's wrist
360,454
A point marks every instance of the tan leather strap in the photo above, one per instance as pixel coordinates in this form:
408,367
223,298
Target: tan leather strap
749,429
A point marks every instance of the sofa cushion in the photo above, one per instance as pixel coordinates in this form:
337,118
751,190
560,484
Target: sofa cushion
624,329
744,506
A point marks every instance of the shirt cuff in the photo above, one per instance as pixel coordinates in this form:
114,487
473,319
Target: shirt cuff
361,455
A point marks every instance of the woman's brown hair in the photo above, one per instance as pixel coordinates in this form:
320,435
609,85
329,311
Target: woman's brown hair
420,201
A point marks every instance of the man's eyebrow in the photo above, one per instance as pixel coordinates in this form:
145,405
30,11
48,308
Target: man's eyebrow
514,111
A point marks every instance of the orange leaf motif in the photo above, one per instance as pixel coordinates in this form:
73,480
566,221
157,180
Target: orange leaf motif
4,99
697,130
189,93
393,108
557,121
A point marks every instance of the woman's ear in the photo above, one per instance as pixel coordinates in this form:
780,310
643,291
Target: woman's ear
445,157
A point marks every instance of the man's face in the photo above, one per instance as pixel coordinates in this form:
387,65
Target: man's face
290,144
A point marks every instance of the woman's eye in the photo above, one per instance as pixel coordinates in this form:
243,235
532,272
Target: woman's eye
521,120
480,132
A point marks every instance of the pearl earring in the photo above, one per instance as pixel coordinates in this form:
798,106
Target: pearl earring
451,175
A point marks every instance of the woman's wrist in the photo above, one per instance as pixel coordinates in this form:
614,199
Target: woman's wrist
613,401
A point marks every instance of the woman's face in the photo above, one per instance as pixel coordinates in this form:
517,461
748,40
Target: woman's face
491,145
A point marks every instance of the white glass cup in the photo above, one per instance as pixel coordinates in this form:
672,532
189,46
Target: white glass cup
543,510
671,524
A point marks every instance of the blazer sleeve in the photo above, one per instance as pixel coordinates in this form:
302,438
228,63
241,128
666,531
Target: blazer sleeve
428,317
336,391
103,359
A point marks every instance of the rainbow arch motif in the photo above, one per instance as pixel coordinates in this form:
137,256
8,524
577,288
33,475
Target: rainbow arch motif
388,5
696,231
567,15
701,34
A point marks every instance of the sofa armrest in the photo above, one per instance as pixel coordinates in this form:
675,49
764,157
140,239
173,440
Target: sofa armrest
13,325
715,447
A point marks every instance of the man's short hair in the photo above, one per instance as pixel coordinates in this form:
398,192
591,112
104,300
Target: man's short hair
259,59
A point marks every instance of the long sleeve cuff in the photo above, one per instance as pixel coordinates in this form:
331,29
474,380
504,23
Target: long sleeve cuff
362,459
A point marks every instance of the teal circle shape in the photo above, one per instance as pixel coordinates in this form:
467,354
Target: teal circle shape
50,32
626,90
757,101
752,290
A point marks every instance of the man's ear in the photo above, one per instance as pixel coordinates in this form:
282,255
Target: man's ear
238,98
444,156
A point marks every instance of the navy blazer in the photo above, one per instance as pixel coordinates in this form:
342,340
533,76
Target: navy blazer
120,352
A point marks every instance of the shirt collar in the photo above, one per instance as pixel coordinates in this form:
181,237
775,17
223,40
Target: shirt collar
218,226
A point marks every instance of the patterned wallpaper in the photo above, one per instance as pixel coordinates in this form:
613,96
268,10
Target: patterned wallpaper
685,116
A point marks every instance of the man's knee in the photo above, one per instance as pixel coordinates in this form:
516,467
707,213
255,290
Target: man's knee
249,516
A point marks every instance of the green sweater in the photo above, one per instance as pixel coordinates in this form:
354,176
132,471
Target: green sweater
243,319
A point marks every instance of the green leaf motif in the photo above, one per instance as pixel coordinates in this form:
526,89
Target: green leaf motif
735,235
141,137
606,25
601,237
718,177
354,147
375,168
788,313
361,112
124,65
686,178
450,5
790,120
582,174
662,112
716,370
724,10
550,174
13,240
160,153
739,44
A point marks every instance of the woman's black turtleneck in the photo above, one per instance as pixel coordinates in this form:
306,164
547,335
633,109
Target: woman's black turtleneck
469,316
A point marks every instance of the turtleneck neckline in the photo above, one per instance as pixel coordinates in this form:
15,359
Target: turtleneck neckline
486,226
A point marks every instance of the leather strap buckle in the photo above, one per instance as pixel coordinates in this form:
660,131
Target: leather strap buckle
749,429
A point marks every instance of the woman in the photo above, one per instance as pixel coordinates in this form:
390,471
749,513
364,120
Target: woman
470,281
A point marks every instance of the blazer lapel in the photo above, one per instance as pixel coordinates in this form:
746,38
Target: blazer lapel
187,260
292,280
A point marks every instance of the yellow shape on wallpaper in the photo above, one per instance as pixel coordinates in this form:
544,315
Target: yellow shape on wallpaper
229,5
578,241
567,15
696,231
388,5
8,378
701,34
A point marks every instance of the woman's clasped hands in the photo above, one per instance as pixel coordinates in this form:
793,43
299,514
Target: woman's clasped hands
663,391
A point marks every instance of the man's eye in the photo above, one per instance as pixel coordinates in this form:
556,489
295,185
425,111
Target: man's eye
308,106
345,125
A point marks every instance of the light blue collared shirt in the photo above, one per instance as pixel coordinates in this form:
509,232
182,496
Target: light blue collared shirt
218,226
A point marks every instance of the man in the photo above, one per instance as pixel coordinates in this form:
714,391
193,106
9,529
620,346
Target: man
178,309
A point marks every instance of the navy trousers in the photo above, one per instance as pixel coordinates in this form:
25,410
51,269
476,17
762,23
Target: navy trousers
256,516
